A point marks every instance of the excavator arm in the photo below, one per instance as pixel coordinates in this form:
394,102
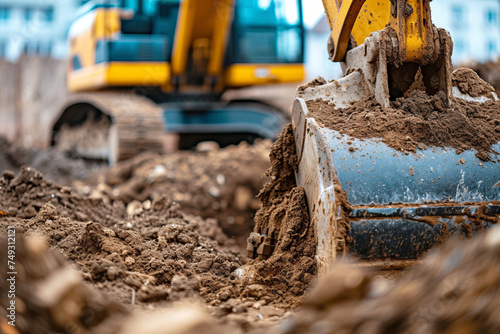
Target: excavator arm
342,16
398,39
410,19
202,28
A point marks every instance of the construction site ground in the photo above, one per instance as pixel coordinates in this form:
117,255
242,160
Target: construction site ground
157,244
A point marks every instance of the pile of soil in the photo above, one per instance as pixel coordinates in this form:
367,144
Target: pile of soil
157,244
469,82
455,290
489,72
51,297
220,184
420,120
284,218
152,258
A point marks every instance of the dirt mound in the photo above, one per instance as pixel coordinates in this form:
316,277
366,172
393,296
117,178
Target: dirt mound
489,72
220,184
420,120
284,219
455,290
151,258
23,196
52,297
469,82
158,244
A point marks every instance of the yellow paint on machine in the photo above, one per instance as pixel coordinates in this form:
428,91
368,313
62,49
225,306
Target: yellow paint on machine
202,20
104,24
107,23
119,74
241,75
373,16
359,18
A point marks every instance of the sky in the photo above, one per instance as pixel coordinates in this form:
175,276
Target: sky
312,9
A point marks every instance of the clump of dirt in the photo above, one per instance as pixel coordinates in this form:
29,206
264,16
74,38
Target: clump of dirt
313,83
284,218
469,82
454,290
419,120
220,184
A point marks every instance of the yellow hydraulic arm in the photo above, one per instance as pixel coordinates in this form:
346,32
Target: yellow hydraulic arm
398,40
409,18
201,36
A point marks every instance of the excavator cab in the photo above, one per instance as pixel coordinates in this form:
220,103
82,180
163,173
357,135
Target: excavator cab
367,199
144,68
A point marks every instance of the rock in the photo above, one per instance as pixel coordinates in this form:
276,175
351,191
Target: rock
207,146
254,290
271,311
134,208
129,261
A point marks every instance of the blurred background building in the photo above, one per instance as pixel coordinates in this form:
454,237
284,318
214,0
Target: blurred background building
40,27
35,27
473,25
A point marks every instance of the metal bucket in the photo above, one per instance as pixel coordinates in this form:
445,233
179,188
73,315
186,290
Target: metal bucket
399,205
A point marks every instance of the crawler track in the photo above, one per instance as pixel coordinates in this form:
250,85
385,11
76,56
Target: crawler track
131,124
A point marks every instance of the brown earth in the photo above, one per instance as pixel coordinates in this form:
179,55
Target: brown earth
52,297
469,82
221,184
152,258
284,218
489,72
160,243
420,120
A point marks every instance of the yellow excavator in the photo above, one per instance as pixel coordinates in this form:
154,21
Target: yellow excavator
392,218
140,69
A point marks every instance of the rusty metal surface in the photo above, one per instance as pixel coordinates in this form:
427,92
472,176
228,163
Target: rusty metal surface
370,172
407,239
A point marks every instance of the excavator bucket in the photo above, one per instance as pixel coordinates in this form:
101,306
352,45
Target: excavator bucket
385,207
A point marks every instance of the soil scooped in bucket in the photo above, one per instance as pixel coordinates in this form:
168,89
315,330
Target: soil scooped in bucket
421,120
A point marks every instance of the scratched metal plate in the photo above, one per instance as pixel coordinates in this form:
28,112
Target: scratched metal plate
370,172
